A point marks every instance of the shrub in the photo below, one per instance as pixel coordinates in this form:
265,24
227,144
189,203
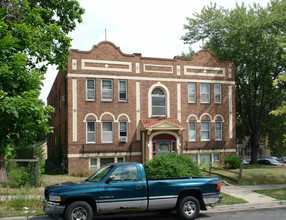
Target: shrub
171,165
232,162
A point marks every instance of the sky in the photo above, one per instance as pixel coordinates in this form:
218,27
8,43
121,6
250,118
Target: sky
151,27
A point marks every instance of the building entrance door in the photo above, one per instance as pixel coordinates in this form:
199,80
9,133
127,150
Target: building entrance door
163,147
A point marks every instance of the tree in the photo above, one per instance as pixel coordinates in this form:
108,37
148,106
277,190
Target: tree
33,34
250,37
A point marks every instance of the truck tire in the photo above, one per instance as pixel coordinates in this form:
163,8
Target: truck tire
188,208
79,211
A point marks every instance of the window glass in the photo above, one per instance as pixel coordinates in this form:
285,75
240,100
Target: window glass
122,90
106,90
216,159
205,93
126,173
173,146
154,148
104,161
217,93
120,160
158,102
93,163
192,131
195,157
218,130
205,159
107,132
192,92
205,130
91,135
90,89
123,129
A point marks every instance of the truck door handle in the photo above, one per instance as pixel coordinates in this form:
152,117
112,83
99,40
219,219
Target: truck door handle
138,187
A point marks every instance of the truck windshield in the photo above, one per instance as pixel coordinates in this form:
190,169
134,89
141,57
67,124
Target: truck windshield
100,174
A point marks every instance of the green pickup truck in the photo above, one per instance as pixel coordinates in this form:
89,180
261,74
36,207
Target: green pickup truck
123,187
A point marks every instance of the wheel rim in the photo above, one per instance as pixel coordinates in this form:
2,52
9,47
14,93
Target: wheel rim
189,208
79,213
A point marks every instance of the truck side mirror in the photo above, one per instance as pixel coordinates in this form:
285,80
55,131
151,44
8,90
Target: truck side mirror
110,179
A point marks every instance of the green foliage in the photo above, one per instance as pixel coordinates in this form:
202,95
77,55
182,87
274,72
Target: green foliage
171,165
232,162
252,37
33,34
22,175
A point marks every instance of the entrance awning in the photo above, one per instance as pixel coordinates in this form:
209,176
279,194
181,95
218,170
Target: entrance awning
161,124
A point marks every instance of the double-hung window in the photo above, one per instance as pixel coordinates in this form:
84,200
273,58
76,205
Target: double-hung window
158,102
107,132
205,93
90,89
217,93
122,89
218,130
90,132
192,131
123,129
192,93
106,90
205,131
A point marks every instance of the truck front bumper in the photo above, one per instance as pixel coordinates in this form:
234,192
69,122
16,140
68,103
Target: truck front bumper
212,199
53,208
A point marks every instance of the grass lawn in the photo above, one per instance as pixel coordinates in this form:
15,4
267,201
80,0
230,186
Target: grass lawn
257,175
230,200
274,193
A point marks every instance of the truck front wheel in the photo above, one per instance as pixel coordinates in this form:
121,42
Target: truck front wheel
188,208
79,211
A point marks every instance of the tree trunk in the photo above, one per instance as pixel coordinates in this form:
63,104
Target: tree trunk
254,144
3,172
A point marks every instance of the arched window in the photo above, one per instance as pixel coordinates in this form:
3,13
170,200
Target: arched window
158,102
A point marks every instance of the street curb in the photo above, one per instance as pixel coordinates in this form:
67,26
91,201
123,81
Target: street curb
246,206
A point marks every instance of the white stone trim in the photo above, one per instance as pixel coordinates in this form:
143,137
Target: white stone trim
179,106
94,115
74,110
74,64
107,113
204,73
230,111
106,68
150,98
137,68
218,115
123,114
157,71
229,72
163,132
178,70
137,78
87,155
207,115
138,111
209,151
188,119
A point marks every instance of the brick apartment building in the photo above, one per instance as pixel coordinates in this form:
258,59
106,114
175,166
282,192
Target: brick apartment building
117,107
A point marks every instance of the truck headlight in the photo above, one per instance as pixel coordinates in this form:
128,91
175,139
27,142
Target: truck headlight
54,198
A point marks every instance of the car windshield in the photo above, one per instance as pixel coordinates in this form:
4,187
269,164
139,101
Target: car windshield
100,174
273,161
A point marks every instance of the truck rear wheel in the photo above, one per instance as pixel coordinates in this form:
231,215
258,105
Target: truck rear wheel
79,211
188,208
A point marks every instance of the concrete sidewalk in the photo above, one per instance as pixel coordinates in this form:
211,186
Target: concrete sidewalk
255,201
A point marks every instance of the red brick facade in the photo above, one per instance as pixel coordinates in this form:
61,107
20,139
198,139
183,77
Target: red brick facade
103,89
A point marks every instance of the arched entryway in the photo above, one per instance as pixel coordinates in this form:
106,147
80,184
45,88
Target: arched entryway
163,144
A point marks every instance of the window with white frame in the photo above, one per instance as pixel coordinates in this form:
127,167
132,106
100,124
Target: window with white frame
216,159
106,160
217,93
107,132
218,130
205,93
205,159
90,89
192,92
158,102
205,131
122,90
192,131
93,164
90,132
106,90
123,129
195,158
